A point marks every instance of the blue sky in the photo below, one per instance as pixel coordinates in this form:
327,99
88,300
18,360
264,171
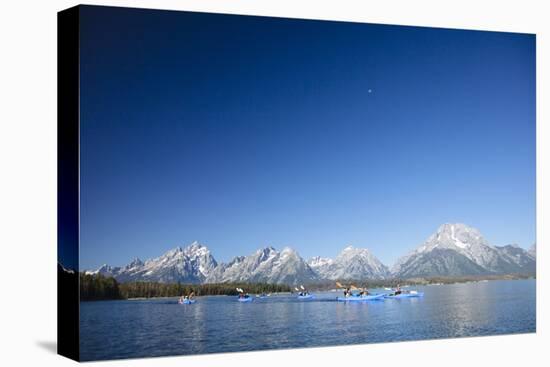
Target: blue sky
243,132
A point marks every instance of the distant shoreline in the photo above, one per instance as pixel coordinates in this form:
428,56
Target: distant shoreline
416,282
206,295
421,281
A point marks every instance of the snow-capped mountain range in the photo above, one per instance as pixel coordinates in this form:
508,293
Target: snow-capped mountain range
192,264
266,265
454,250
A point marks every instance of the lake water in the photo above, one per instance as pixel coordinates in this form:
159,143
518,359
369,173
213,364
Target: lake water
160,327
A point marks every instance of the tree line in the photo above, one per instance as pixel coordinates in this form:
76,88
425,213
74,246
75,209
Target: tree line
99,287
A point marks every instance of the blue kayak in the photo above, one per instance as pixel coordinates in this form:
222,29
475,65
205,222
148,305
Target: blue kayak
372,297
413,294
307,296
244,299
187,301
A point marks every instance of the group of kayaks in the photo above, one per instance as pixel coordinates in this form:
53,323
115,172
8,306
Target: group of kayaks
350,298
380,296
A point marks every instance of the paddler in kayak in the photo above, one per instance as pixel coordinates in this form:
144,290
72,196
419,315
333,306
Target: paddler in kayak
364,292
397,290
304,291
243,295
187,297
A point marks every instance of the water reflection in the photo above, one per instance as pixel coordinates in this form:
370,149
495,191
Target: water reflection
118,329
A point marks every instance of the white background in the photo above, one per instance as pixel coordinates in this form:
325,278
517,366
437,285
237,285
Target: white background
28,181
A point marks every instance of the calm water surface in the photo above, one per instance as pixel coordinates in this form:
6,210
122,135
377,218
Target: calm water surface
126,329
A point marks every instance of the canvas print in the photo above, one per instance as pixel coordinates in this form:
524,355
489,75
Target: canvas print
237,183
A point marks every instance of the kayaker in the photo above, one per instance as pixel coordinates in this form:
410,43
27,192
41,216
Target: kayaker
397,290
364,292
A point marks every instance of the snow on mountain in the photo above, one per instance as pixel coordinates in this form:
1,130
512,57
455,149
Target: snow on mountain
515,260
105,270
351,263
187,265
265,265
457,249
241,268
318,263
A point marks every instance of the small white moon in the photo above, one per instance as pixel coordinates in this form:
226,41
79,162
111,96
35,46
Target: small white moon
370,90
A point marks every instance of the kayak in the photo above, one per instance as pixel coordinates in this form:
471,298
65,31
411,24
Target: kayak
372,297
246,299
187,301
307,296
412,294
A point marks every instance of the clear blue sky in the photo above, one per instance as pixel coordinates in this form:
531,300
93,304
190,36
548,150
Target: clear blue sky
242,132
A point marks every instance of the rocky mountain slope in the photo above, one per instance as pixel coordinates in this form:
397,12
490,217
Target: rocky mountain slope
455,249
351,263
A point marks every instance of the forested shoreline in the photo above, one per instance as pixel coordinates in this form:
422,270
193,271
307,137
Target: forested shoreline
99,287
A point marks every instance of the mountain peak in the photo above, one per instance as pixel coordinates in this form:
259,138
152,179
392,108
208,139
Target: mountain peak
195,244
352,263
455,227
266,250
196,249
135,262
458,249
450,235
